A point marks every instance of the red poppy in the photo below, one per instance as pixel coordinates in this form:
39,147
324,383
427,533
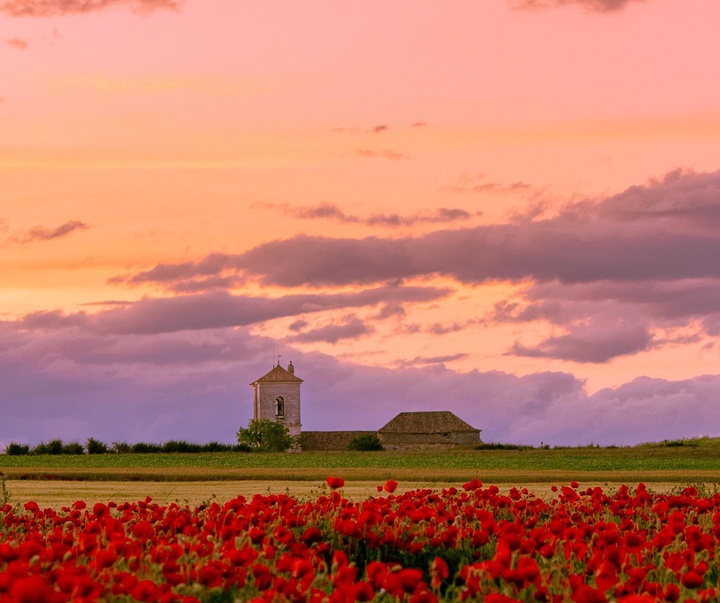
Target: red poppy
335,482
390,486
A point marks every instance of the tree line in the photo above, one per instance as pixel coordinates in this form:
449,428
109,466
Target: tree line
93,446
259,436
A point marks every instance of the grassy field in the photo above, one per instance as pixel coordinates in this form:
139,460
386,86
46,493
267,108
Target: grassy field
689,461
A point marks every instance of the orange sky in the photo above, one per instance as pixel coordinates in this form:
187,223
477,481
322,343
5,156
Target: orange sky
144,133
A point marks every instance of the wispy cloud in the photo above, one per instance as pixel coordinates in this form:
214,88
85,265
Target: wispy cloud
333,211
479,183
599,6
384,154
18,43
53,8
437,359
42,233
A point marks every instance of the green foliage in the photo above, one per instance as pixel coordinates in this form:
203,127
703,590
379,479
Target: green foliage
366,442
180,446
499,446
145,448
73,448
120,448
15,449
56,447
216,447
265,435
96,446
52,447
678,443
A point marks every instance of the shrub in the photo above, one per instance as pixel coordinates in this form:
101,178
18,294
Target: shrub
144,447
180,446
15,449
73,448
498,446
242,448
96,447
216,447
120,447
265,436
52,447
366,442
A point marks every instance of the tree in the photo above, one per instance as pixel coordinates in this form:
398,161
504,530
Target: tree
265,435
96,446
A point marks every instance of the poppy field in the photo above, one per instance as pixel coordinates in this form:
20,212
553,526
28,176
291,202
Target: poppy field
457,544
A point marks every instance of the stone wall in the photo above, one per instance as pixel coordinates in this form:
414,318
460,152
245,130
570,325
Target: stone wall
402,441
328,440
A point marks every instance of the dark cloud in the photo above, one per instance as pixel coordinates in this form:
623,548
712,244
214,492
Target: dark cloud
384,154
439,328
352,328
664,300
585,242
18,43
218,310
40,233
53,8
595,344
607,319
418,124
391,310
599,6
298,325
380,129
210,265
664,231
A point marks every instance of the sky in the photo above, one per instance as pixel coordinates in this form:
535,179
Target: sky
509,209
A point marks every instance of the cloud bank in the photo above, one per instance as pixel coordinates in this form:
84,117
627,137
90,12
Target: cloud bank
610,274
194,385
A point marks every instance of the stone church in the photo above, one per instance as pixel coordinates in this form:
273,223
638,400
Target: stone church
276,396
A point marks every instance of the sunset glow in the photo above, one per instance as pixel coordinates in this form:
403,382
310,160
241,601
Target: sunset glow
509,209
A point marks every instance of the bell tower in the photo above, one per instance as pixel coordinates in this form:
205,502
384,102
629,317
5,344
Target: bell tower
276,396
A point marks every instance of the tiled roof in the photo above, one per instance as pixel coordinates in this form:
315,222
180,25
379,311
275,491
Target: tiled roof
438,421
278,375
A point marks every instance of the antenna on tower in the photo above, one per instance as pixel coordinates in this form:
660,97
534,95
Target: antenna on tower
273,359
278,357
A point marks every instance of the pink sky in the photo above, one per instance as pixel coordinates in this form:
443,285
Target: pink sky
508,209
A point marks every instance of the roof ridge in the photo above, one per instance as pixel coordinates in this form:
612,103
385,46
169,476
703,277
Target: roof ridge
278,375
